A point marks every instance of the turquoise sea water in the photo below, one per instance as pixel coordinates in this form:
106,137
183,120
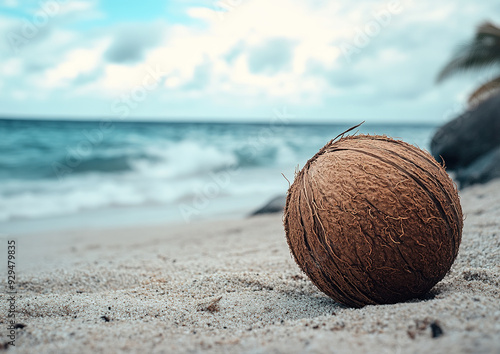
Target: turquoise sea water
124,172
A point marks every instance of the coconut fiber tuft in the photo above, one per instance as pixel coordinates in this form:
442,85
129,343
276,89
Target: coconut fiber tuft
372,220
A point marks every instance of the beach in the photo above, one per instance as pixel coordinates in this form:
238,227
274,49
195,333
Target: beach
147,151
231,286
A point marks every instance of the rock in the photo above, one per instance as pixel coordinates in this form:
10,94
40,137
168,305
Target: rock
469,136
482,170
275,205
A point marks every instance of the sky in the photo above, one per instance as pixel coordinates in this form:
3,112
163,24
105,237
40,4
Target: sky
236,60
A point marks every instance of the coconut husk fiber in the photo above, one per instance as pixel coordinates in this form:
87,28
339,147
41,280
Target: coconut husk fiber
373,220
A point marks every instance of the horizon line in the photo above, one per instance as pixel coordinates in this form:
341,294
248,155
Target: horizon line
193,120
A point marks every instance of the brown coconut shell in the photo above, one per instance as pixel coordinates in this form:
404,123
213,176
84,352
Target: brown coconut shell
372,220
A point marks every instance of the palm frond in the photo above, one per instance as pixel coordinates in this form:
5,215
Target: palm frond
483,51
484,91
487,29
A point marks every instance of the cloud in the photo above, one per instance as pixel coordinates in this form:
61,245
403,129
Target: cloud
201,77
272,56
81,7
234,52
75,65
39,25
250,54
132,40
10,3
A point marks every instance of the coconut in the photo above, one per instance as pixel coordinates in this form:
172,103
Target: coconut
373,220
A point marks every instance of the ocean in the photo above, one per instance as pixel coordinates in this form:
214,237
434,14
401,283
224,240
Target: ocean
102,173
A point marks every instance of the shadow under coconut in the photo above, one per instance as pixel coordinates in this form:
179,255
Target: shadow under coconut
430,295
314,297
329,305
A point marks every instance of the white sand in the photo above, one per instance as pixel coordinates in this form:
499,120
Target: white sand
158,287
